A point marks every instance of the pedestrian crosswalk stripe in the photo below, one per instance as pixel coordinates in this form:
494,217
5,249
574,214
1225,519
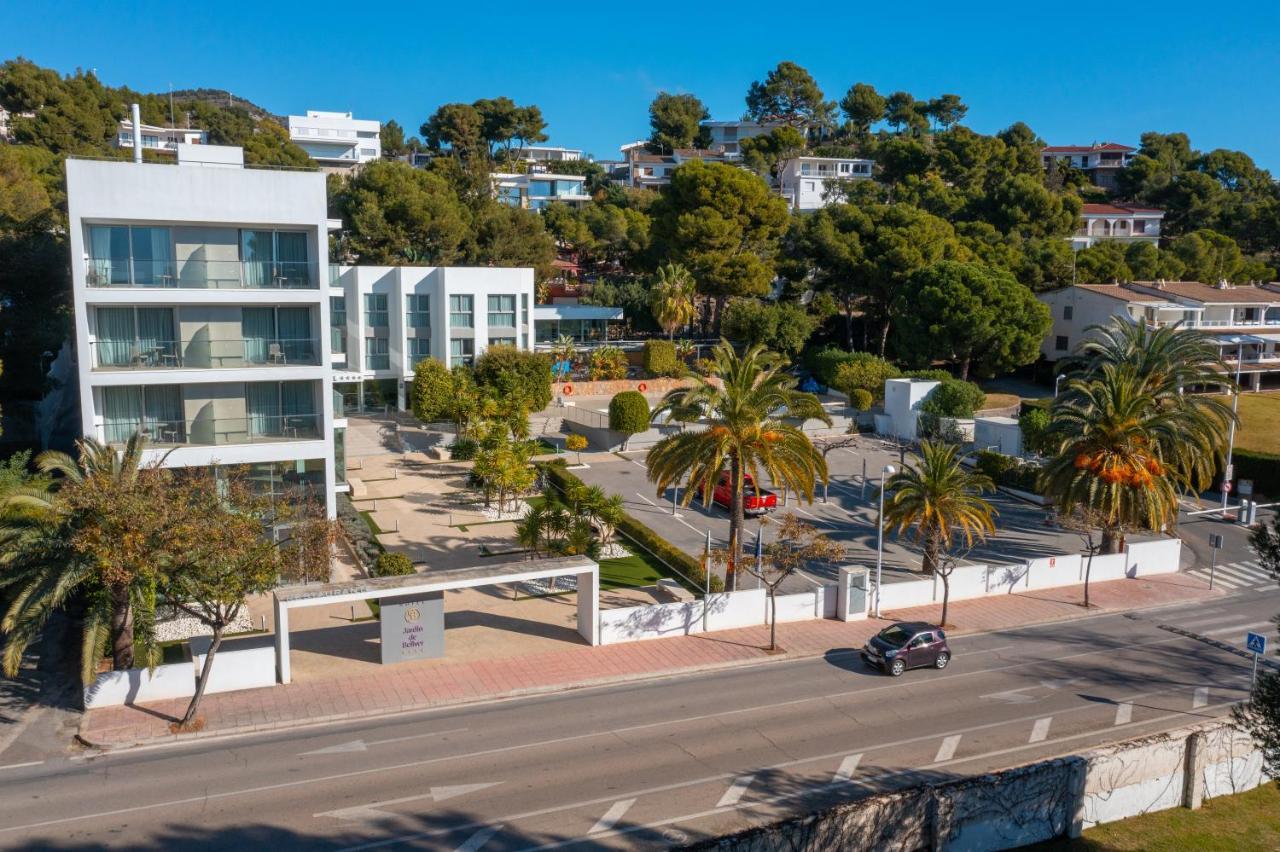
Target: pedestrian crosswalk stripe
1250,577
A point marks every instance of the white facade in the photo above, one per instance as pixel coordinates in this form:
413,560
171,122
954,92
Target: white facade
163,139
335,139
548,154
199,312
1122,222
1101,161
725,135
387,318
535,191
805,181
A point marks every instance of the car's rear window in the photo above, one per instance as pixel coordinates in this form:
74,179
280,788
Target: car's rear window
895,635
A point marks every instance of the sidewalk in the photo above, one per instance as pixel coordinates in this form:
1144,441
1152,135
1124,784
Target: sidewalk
415,687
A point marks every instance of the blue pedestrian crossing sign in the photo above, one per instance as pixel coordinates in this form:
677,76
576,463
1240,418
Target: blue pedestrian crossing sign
1255,642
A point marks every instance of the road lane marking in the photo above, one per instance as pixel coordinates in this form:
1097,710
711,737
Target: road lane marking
611,817
1240,627
20,765
735,792
848,766
479,839
416,764
947,750
1201,697
1124,712
394,841
1040,731
363,745
374,810
646,499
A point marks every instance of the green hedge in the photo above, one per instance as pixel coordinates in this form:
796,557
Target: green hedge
392,565
564,481
1009,471
629,413
660,358
1262,468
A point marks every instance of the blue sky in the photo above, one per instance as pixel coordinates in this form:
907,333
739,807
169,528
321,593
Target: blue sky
1075,72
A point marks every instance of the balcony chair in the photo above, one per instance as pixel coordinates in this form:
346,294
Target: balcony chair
275,354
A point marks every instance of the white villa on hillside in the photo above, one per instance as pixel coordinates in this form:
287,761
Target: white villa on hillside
1124,222
1244,321
534,191
804,181
1101,161
336,140
163,139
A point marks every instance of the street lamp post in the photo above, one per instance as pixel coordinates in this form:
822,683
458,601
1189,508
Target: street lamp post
885,473
1057,381
1231,433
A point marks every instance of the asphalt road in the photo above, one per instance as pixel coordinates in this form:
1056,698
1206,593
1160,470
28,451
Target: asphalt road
652,764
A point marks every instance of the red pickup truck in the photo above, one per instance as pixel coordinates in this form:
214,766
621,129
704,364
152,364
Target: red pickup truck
753,502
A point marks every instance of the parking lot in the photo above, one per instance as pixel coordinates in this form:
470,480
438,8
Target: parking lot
848,516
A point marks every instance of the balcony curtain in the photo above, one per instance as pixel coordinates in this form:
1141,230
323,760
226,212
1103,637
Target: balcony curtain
262,404
109,254
291,259
258,328
155,332
162,412
294,328
298,405
115,337
257,252
121,413
152,256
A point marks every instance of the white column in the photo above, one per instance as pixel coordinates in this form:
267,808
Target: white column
589,605
282,642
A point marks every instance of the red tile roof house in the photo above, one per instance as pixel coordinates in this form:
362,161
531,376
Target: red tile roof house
1101,161
1242,320
1125,222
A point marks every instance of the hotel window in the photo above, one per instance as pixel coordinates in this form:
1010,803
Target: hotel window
376,354
419,350
524,308
417,311
119,254
462,350
1060,343
462,311
338,324
502,341
502,311
375,309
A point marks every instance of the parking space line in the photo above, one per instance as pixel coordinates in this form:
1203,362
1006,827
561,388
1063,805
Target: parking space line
1040,731
1124,713
612,816
947,750
479,839
734,794
848,766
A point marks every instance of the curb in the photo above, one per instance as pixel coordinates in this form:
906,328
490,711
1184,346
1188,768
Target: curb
531,692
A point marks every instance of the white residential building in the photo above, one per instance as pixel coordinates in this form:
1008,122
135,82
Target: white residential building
804,181
535,191
1124,222
540,154
199,308
650,171
385,319
1243,321
1101,161
336,140
725,135
163,139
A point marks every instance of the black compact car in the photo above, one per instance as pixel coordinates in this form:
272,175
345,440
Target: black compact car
907,645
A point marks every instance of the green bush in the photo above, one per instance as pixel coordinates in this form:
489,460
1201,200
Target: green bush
954,398
510,370
1262,468
1009,471
864,371
357,531
782,327
930,375
824,363
608,363
392,565
1035,426
629,413
688,570
432,391
660,358
463,449
861,399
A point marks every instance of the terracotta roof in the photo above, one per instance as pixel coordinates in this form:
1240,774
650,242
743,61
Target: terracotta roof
1086,149
651,158
1117,291
1199,292
1117,210
699,153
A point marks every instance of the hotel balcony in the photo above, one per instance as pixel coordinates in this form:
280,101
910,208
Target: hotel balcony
229,431
202,353
202,274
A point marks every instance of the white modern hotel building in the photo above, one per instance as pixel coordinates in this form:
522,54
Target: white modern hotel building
208,318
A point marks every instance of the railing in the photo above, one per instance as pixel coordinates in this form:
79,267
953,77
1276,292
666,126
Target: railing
202,274
1270,323
218,431
339,406
206,354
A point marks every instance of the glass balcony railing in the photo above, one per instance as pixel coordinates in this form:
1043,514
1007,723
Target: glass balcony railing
202,274
339,406
201,353
217,431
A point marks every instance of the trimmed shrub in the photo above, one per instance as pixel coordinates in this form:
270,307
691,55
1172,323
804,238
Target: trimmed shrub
629,413
660,358
574,442
357,531
864,371
432,391
954,398
1262,468
608,363
509,370
930,375
392,565
463,449
1035,427
823,363
861,399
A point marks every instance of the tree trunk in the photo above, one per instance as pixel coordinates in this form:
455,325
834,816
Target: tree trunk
194,706
964,368
848,327
884,337
737,521
1088,567
773,619
931,554
946,596
121,629
1112,539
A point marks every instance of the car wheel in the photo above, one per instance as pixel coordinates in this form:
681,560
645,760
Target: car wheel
943,659
897,667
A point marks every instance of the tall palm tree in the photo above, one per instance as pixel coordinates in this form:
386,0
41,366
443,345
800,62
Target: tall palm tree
41,559
745,434
672,298
1125,410
941,500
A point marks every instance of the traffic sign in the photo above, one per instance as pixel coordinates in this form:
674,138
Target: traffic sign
1226,486
1215,541
1255,643
1246,487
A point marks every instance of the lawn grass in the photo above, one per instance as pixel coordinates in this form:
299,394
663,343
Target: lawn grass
1242,823
628,572
1001,400
1259,414
371,523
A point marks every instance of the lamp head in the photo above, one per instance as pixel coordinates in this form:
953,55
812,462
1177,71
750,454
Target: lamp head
890,470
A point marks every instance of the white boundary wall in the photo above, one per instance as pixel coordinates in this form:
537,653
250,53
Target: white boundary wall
233,669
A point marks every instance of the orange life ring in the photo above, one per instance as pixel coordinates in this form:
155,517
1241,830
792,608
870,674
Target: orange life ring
643,387
568,390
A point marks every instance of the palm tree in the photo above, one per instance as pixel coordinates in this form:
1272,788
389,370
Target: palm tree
603,511
1127,389
59,543
564,350
941,500
672,298
745,434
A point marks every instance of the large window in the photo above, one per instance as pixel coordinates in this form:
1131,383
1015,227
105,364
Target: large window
338,324
462,350
130,256
153,410
376,354
417,311
419,349
281,410
524,308
136,337
502,311
277,336
275,259
462,311
502,341
375,310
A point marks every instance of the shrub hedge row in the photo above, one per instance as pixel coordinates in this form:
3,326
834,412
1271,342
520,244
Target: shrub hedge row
660,358
563,481
1009,471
